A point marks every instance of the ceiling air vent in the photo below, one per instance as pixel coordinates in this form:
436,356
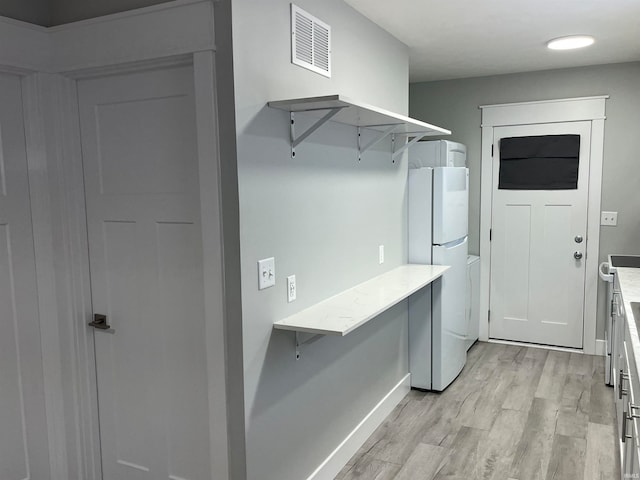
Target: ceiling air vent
310,42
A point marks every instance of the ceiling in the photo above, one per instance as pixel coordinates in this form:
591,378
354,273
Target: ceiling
457,38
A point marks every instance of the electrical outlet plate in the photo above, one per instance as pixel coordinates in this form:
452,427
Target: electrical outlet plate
266,273
381,254
609,218
292,291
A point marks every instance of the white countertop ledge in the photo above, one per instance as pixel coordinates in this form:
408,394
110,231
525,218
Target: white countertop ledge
348,310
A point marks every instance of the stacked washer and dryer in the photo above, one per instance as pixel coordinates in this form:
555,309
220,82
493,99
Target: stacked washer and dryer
438,204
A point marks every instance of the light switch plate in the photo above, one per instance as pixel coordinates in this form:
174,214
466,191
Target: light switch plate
609,218
266,273
381,254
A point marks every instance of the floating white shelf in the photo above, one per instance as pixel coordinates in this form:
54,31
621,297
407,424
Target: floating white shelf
343,110
348,310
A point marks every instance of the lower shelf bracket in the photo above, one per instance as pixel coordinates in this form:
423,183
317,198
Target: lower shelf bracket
295,141
414,140
380,135
305,339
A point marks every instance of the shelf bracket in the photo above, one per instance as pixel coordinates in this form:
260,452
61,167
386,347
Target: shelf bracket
305,339
295,141
414,140
381,135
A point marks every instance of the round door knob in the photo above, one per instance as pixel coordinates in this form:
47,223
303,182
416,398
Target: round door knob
578,239
577,255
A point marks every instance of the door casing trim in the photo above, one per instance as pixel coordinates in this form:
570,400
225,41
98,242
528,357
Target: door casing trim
49,62
547,111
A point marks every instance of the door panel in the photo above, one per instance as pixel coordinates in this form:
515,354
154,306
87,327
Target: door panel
537,286
128,155
557,228
23,427
141,181
517,254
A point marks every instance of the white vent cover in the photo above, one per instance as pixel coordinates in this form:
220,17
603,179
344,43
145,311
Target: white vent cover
310,42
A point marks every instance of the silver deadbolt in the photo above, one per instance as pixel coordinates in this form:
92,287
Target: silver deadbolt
578,239
577,255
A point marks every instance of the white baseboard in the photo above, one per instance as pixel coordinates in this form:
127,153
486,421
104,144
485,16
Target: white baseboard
350,445
601,346
536,345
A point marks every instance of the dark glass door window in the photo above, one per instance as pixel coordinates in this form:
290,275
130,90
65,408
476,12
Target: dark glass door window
545,162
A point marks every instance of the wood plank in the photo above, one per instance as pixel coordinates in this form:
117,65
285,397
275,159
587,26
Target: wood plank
369,468
567,458
576,395
553,376
524,385
442,424
512,354
600,463
581,364
498,452
423,463
601,407
572,424
483,406
386,426
462,460
396,439
538,353
533,453
490,361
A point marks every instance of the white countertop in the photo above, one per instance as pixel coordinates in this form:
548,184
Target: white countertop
354,307
630,287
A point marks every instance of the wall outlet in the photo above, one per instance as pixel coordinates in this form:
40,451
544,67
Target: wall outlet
609,218
381,254
266,273
291,288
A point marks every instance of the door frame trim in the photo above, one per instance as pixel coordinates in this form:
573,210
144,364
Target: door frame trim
547,111
49,62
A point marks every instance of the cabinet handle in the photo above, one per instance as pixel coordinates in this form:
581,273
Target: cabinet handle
617,304
621,390
633,407
625,417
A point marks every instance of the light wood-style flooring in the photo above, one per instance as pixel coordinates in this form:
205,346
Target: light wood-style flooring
513,413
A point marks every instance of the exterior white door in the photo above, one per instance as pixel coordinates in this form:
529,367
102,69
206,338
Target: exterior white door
537,283
141,181
23,425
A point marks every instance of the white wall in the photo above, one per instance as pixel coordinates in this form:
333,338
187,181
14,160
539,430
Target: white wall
453,104
322,216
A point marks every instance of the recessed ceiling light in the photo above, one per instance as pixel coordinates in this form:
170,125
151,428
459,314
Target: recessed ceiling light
570,42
